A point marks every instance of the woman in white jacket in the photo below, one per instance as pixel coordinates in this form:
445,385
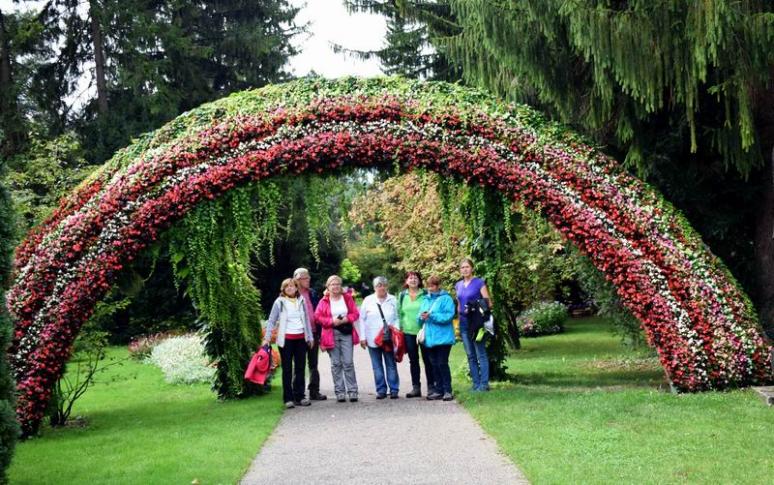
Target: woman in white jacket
294,336
371,322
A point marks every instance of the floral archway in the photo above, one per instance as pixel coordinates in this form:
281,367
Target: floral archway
693,311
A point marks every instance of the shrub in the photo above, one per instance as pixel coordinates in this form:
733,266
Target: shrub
543,318
140,348
182,359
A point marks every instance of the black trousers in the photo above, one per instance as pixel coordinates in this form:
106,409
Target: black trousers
413,349
440,357
293,368
313,357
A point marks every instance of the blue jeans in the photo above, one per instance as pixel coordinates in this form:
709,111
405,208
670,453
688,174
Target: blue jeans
377,357
478,361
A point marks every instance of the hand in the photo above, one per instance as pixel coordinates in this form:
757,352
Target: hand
265,342
362,344
424,315
310,345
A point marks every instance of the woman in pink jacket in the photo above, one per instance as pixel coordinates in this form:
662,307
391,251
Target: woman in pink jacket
337,313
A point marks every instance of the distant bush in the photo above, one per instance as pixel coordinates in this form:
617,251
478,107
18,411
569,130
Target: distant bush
543,318
182,359
140,348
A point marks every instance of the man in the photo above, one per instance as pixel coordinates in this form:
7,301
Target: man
304,281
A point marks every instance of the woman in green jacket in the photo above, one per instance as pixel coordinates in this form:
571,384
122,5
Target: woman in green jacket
409,301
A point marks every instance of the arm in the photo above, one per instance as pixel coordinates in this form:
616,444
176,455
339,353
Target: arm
485,294
443,313
352,312
273,317
323,315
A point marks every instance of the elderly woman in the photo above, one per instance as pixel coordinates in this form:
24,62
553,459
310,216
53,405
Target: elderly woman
469,290
436,315
336,313
377,310
409,301
294,335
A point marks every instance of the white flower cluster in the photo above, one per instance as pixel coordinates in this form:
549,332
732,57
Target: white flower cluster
182,359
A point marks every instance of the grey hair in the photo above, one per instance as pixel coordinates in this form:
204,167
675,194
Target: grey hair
380,280
300,272
333,278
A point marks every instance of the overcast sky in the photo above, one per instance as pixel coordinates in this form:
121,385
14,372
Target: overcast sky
329,23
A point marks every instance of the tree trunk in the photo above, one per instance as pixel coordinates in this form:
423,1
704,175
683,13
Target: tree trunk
99,57
764,230
10,119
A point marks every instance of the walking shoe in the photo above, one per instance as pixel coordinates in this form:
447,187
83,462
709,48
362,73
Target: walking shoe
381,396
318,397
434,396
289,405
447,396
341,398
394,396
416,391
303,402
353,398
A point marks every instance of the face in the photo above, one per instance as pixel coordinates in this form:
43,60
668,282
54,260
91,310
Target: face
412,282
304,281
334,288
290,290
433,288
381,290
466,269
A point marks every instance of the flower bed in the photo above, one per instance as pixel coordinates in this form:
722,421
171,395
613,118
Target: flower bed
693,311
543,318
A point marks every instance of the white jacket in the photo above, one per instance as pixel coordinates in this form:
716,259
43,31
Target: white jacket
371,320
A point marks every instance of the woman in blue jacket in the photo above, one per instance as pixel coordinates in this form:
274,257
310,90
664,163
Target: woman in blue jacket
436,314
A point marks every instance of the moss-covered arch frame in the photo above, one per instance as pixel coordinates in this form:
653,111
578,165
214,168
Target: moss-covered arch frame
693,311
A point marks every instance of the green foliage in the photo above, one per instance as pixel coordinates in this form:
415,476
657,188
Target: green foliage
543,318
349,272
9,427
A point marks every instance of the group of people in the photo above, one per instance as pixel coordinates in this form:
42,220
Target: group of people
305,324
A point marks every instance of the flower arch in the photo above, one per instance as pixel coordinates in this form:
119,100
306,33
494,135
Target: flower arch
693,311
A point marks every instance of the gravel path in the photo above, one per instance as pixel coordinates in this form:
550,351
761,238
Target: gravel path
391,441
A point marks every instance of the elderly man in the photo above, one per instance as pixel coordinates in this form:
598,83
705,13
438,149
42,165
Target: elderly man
303,281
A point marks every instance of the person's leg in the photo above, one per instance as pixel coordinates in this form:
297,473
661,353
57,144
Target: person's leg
336,354
313,358
443,359
483,364
412,349
470,351
348,365
378,368
286,357
299,355
429,375
436,363
392,373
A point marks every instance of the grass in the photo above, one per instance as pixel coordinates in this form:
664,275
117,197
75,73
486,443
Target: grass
143,430
582,409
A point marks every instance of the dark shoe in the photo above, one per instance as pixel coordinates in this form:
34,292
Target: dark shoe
394,396
448,396
434,396
381,396
303,402
353,398
289,405
415,392
341,398
318,397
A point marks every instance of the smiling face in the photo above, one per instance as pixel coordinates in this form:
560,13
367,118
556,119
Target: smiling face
289,289
412,281
334,287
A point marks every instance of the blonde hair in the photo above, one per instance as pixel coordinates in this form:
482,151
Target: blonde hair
433,280
333,278
469,261
285,283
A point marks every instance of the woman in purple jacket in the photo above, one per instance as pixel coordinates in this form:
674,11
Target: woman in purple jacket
470,289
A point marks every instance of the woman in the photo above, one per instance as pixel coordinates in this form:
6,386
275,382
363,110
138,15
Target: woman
409,301
469,290
377,308
336,313
436,315
294,336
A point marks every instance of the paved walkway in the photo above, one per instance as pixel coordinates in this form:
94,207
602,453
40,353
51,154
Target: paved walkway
406,441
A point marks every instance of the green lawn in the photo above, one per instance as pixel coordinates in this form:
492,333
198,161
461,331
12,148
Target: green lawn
143,430
582,409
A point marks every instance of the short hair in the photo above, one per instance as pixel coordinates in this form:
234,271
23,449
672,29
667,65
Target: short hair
299,272
469,261
434,280
285,283
379,280
413,273
333,278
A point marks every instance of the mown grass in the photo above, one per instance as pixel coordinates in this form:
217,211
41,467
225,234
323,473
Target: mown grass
140,429
583,409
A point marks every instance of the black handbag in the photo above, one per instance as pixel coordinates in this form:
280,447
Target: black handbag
387,332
